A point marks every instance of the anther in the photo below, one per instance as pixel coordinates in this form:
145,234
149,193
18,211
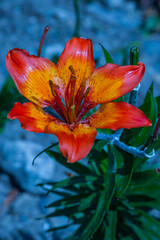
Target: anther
52,87
73,78
87,92
42,40
72,69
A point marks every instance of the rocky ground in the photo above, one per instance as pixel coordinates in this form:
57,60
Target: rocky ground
115,24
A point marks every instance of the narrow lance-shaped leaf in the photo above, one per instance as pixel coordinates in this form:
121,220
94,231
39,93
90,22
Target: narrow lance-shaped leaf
96,220
44,150
109,177
107,56
142,178
110,226
141,234
124,163
73,180
68,200
150,109
76,167
140,201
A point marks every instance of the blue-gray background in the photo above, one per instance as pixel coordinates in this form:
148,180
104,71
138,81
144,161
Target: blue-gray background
113,23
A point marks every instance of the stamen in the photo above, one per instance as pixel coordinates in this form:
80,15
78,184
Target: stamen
70,91
57,104
51,84
70,115
80,96
87,92
72,69
73,83
73,113
42,40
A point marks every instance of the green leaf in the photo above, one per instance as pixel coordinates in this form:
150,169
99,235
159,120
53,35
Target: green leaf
141,201
108,57
62,193
100,144
143,164
141,135
68,200
77,188
158,103
8,96
44,150
141,234
150,223
76,167
94,166
83,201
86,202
124,163
144,225
149,188
142,178
67,211
110,226
72,181
57,228
109,177
96,220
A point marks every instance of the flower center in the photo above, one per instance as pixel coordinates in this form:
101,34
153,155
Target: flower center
70,107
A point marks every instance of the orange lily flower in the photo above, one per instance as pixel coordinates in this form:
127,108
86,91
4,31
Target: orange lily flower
71,89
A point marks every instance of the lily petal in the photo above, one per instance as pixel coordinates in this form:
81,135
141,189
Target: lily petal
77,53
32,76
117,115
75,141
32,117
113,81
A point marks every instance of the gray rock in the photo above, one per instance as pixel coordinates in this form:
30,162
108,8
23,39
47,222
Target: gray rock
16,159
20,221
5,188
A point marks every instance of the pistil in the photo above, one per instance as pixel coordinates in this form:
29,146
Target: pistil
80,96
73,113
42,40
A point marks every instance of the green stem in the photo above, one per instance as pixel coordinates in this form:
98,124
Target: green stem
132,150
134,55
44,150
77,21
134,59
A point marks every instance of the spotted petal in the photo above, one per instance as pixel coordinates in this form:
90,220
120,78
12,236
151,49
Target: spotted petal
75,141
77,53
113,81
32,117
33,76
117,115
